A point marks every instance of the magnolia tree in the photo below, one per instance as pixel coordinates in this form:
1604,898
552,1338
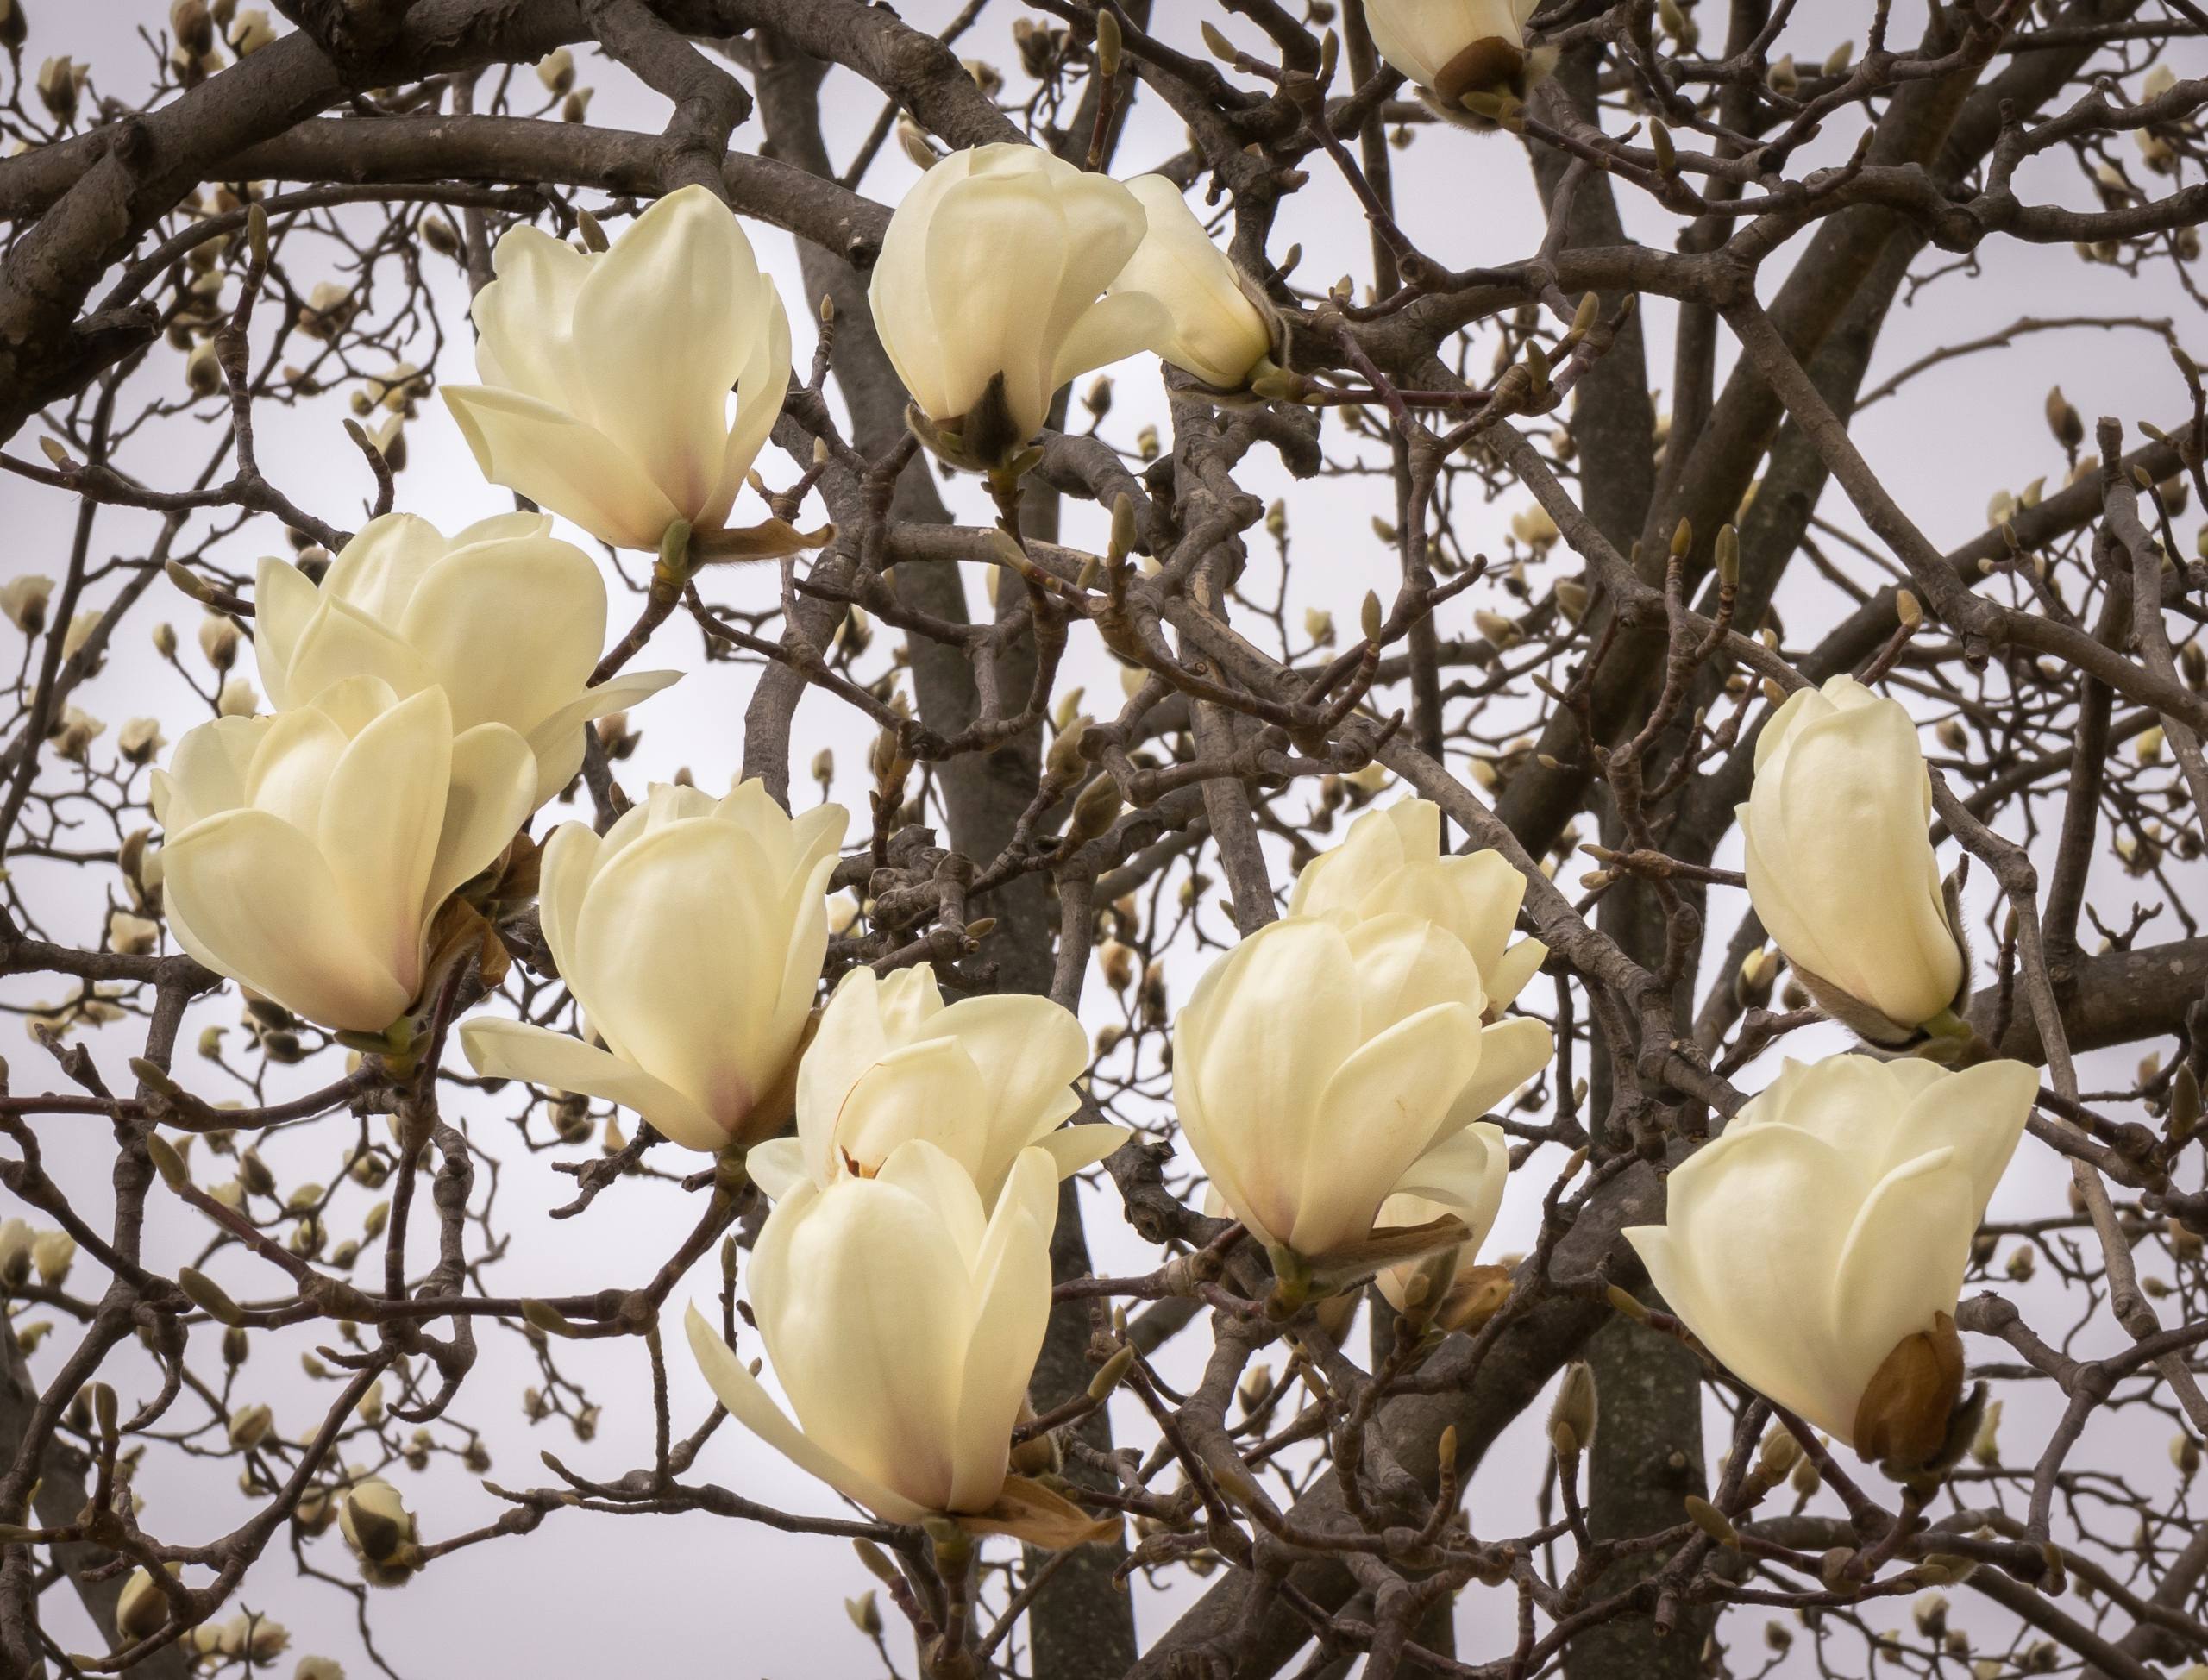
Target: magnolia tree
1630,1106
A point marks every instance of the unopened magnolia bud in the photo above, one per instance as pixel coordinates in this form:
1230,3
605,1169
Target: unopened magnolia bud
1777,1455
1117,962
556,70
1369,618
865,1614
1712,1521
1093,812
2064,421
202,369
141,1608
250,1426
1907,609
218,640
1571,1417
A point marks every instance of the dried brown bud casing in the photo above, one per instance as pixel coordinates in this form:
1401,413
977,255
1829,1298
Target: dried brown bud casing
1903,1419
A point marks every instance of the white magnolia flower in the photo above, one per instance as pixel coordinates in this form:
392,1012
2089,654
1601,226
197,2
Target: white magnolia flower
1218,333
1832,1220
903,1323
307,853
691,934
1391,863
989,293
1840,863
506,618
607,377
980,1078
1453,47
1338,1058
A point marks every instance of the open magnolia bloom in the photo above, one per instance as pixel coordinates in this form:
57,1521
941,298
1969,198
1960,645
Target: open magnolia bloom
981,1079
1316,1066
1455,48
1818,1245
1840,862
401,603
1391,863
988,294
606,376
308,853
691,935
1222,329
1462,1179
902,1322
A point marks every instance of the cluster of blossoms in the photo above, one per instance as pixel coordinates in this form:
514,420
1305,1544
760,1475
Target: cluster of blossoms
348,855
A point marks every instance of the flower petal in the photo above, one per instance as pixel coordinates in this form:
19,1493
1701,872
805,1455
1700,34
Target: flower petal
545,453
750,1405
492,791
662,326
259,904
500,1048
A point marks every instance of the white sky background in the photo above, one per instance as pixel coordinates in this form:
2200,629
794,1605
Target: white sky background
702,1595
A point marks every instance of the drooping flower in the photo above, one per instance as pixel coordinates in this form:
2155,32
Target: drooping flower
1455,48
1818,1245
1220,333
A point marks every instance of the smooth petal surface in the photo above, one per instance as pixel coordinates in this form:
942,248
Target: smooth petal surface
1420,37
1379,1112
750,1405
545,453
1011,1296
379,824
994,264
863,1297
258,903
515,1050
1512,1051
493,789
1840,865
1216,333
1833,1218
659,338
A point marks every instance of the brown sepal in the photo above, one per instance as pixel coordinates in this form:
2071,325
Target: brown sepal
1903,1421
1039,1515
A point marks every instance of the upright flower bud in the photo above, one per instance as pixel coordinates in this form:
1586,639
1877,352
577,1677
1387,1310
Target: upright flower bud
989,293
1840,862
606,377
